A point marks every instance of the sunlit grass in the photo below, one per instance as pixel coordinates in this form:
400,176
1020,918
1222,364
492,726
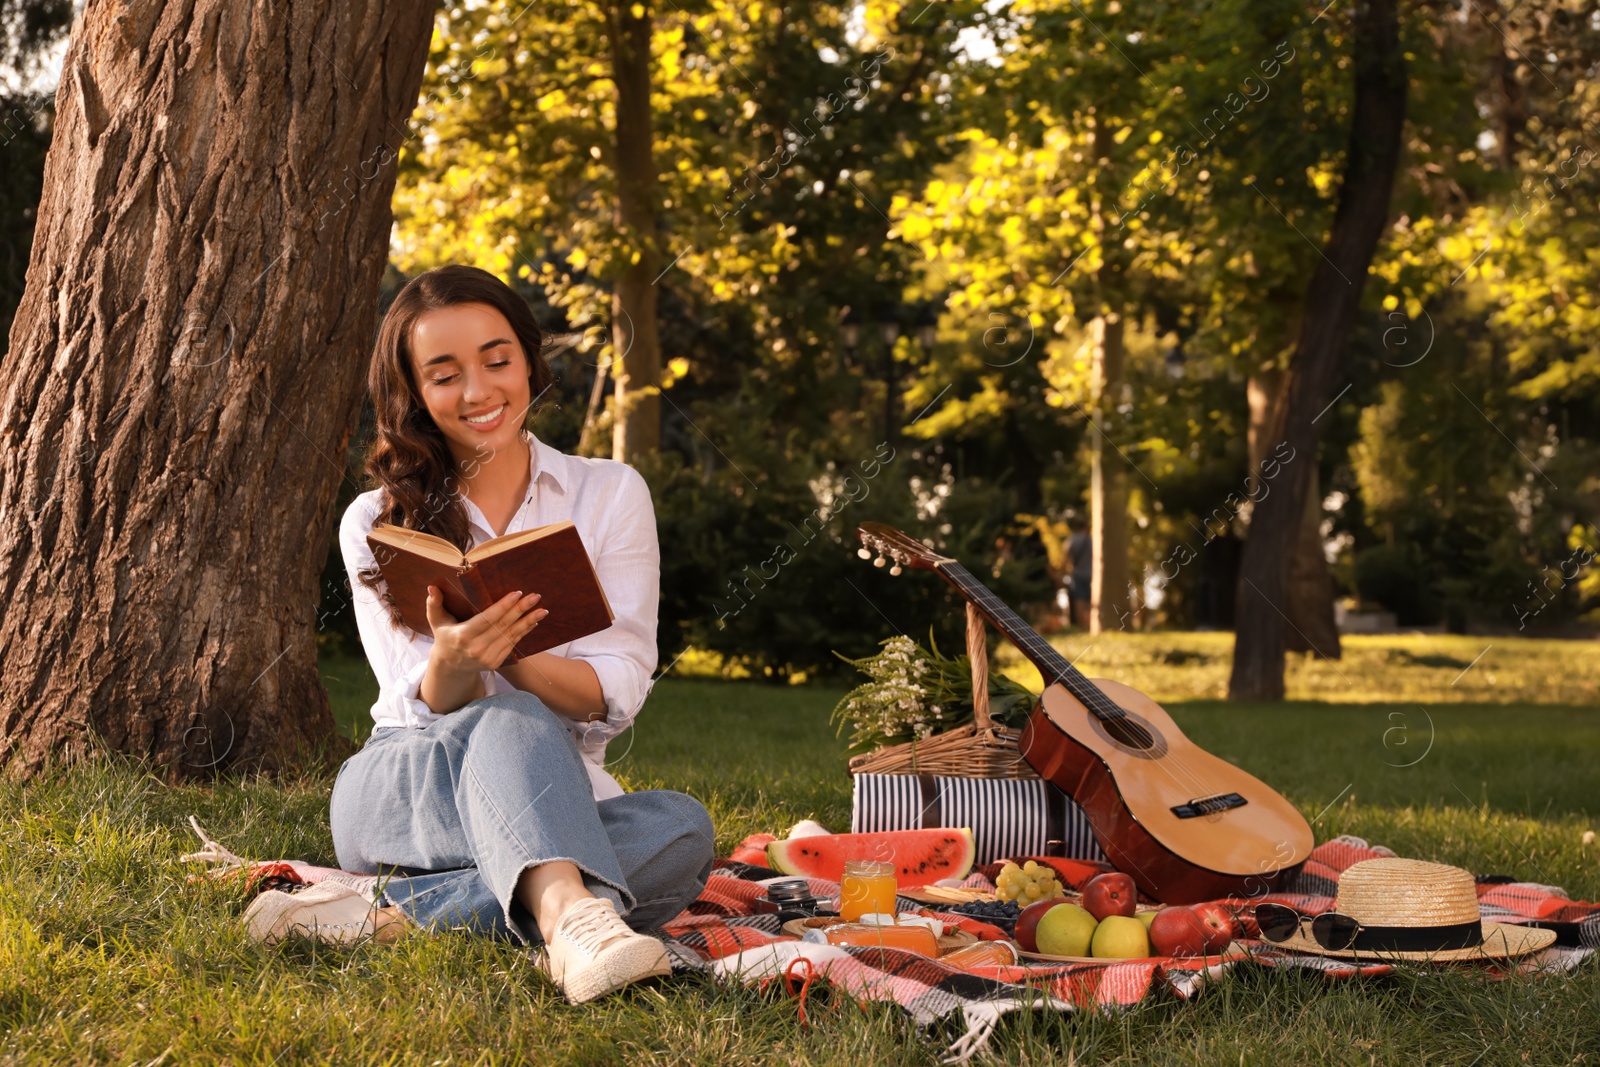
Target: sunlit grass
1426,668
109,955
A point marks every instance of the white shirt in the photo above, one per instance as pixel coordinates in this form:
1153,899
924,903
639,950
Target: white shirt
610,505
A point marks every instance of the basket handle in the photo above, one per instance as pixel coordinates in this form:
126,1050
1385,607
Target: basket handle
978,652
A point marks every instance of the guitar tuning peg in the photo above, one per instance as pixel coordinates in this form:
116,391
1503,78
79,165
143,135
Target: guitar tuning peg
864,552
895,569
880,561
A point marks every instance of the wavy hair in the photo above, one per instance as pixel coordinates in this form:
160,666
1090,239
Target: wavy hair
410,462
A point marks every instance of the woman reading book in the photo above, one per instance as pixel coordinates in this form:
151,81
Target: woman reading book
483,783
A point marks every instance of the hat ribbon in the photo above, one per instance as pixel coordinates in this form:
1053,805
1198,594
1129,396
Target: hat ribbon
1418,938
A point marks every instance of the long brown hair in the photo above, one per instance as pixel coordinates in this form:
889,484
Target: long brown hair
410,462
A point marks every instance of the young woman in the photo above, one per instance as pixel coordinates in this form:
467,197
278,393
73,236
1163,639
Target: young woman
483,784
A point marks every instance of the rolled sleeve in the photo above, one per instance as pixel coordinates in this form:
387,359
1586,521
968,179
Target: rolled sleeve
623,656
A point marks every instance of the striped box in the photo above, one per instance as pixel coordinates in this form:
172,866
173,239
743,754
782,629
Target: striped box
1008,817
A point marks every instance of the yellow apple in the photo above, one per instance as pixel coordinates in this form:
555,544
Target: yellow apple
1147,917
1065,930
1120,937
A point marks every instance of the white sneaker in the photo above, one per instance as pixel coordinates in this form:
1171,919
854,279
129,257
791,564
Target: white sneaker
594,952
327,911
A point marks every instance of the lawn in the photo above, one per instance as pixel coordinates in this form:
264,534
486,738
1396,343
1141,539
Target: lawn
107,954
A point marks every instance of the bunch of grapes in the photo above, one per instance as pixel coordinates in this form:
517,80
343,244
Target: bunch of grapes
1028,883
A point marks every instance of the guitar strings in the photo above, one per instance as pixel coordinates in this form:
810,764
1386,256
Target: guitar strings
1183,774
1093,699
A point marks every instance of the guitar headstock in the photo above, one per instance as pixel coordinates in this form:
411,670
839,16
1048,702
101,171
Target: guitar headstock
885,540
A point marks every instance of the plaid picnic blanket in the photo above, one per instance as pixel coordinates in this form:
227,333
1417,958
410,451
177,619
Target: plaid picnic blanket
722,933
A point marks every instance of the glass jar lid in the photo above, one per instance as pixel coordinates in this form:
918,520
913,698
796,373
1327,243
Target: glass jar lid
869,868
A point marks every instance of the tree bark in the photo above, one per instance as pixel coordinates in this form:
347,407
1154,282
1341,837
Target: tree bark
185,369
636,341
1109,608
1331,303
1108,486
1310,596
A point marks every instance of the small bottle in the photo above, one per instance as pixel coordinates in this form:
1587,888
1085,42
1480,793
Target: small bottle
982,954
918,939
867,886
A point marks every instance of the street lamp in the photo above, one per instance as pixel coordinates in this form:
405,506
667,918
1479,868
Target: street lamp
921,320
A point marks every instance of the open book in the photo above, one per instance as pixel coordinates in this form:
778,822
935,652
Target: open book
549,560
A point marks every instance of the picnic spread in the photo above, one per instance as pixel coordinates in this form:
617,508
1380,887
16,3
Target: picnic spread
731,933
1060,853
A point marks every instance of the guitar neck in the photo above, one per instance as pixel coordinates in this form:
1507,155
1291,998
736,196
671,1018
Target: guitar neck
1056,668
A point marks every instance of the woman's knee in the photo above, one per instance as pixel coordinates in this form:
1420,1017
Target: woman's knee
518,712
697,818
695,836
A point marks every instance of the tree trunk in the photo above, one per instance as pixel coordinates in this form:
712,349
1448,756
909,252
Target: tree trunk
185,370
1310,596
1108,486
1335,294
1108,476
636,341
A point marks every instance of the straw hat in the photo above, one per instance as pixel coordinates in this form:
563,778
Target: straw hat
1399,893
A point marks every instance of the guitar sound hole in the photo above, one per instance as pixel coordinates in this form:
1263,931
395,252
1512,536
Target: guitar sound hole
1128,731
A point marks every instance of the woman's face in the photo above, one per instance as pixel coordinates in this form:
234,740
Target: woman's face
469,365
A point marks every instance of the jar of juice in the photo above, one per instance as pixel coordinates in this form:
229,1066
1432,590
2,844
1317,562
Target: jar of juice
867,886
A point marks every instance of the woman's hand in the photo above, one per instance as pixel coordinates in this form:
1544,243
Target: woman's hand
483,642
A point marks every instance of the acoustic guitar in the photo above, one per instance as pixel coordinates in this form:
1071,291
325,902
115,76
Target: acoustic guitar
1186,825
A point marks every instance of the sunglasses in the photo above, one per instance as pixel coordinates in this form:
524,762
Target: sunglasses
1333,931
1336,932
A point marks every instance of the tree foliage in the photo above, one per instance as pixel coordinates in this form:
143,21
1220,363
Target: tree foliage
821,162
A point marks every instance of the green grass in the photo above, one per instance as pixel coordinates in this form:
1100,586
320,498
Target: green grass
1430,669
108,955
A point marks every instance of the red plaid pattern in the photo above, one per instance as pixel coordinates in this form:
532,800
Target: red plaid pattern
722,931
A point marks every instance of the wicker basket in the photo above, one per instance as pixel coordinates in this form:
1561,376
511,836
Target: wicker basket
981,749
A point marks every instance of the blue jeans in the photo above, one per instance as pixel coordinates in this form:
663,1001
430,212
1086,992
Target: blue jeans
450,815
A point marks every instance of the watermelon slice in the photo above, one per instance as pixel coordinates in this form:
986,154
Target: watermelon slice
919,856
753,850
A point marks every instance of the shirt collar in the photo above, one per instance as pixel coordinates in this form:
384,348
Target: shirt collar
546,462
543,462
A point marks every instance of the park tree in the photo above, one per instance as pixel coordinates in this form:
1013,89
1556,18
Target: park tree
782,133
1332,299
1029,228
1141,154
184,370
1494,250
749,178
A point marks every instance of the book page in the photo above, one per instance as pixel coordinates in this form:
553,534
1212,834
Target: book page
511,540
423,544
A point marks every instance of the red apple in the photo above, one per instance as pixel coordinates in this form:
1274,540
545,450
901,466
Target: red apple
1110,894
1219,921
1178,931
1026,932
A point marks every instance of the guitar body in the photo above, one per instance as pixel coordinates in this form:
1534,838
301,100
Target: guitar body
1129,775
